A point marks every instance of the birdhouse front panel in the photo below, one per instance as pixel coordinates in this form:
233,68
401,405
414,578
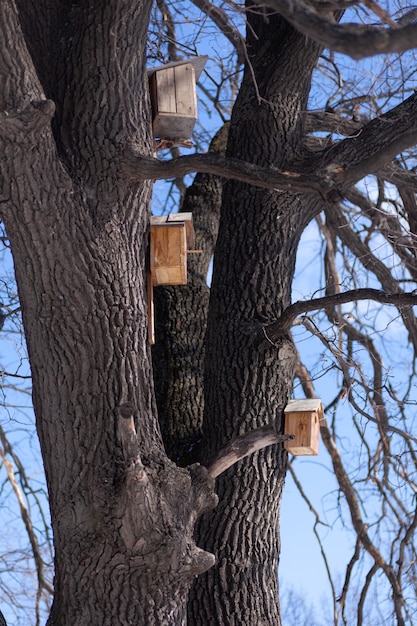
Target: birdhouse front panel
169,254
170,238
302,419
174,101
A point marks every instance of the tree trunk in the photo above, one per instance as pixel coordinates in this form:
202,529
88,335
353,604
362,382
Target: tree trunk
181,321
247,385
122,513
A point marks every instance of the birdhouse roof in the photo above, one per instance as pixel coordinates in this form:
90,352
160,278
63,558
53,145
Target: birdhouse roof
304,405
176,218
198,62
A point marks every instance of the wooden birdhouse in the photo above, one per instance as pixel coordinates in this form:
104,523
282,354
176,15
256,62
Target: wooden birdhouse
174,97
171,239
302,419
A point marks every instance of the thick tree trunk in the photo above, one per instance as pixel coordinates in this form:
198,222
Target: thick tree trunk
247,385
122,513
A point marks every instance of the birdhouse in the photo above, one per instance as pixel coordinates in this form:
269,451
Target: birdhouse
174,97
171,237
302,419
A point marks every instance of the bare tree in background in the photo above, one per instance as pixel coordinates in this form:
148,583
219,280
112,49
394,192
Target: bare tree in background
26,552
132,441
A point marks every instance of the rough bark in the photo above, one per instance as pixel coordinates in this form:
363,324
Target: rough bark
180,322
122,513
247,386
356,40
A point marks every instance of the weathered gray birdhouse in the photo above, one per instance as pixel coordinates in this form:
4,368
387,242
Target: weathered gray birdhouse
302,419
174,97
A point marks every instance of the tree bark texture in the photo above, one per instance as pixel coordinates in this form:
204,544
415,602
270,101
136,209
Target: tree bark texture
122,513
181,321
246,384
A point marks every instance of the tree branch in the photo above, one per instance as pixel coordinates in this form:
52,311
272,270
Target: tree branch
25,515
394,174
324,121
332,171
283,324
372,148
340,227
244,446
346,486
140,167
222,22
355,40
18,79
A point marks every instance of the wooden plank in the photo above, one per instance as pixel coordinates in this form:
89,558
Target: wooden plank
168,254
153,91
166,92
171,218
185,90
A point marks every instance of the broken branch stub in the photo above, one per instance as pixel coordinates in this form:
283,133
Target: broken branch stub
243,446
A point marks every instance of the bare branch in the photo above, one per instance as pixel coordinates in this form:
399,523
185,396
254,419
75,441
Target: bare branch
348,575
140,167
360,527
373,147
37,557
340,226
387,427
317,522
243,446
333,171
356,40
364,591
169,24
221,20
394,174
285,321
323,121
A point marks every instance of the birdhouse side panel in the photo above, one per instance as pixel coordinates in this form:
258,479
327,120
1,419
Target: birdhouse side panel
168,255
185,90
305,426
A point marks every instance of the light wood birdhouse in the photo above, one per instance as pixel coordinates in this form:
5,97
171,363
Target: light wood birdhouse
171,240
302,419
171,237
174,97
